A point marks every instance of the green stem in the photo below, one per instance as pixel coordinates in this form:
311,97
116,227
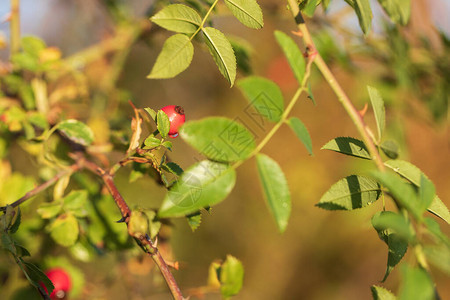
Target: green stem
15,27
274,128
204,20
335,86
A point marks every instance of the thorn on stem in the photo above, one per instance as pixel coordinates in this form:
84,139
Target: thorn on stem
297,33
123,219
363,111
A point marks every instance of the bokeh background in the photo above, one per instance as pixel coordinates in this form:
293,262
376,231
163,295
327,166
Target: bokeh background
322,254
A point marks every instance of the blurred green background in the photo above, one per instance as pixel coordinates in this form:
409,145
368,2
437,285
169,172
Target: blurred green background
322,254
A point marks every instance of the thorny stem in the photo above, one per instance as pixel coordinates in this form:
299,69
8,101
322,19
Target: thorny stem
108,180
14,26
43,186
342,96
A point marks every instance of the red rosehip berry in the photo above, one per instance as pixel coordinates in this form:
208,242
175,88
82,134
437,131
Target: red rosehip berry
176,118
61,280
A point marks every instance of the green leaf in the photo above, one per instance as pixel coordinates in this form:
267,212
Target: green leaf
310,94
64,230
398,10
434,228
301,132
168,145
15,226
276,190
8,243
397,247
394,223
348,146
60,186
413,174
32,45
152,142
175,57
49,210
172,168
350,193
378,109
231,277
380,293
247,12
402,192
151,112
194,220
219,139
75,199
390,148
293,54
427,192
416,284
138,224
264,95
439,256
179,18
37,277
310,7
76,131
204,184
222,52
163,123
155,224
364,13
22,251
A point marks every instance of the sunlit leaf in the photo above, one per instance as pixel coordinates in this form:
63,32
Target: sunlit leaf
76,131
378,109
398,10
247,12
276,190
350,193
416,284
348,146
64,230
231,277
222,52
301,132
49,209
163,123
204,184
293,54
413,174
179,18
175,57
219,138
264,95
380,293
364,13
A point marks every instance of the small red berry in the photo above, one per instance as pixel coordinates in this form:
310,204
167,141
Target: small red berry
176,118
61,280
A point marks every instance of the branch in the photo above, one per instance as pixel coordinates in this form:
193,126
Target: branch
342,97
14,27
43,186
126,213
